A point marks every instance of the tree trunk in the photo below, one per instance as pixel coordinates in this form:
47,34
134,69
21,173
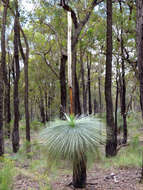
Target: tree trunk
139,4
25,57
123,108
111,142
42,110
76,98
15,132
4,69
84,95
99,91
95,106
88,84
1,114
79,174
63,86
46,106
116,103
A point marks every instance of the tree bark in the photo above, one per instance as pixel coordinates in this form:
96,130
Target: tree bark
99,91
1,114
88,84
79,174
4,68
42,110
76,97
25,57
123,108
116,103
63,86
15,132
139,4
46,105
84,94
111,142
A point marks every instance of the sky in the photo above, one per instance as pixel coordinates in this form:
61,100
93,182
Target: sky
28,5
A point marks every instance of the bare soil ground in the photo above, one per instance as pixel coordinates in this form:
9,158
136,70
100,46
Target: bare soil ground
101,179
98,179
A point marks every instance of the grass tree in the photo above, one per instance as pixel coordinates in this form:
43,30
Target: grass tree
76,140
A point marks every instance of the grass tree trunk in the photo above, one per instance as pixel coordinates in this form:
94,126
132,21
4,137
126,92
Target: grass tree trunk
15,132
79,173
111,142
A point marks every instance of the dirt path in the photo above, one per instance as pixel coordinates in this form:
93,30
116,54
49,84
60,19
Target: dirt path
100,179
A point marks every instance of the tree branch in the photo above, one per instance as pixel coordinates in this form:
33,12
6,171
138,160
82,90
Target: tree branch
68,8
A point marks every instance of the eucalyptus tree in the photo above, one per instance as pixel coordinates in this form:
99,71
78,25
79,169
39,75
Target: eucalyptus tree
25,57
79,22
15,132
3,75
139,30
4,67
111,142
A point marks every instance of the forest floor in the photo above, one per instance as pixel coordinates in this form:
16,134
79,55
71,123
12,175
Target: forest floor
98,179
33,172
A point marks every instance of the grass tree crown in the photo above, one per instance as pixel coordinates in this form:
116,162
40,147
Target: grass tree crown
69,139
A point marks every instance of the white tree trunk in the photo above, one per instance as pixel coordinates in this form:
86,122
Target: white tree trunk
69,49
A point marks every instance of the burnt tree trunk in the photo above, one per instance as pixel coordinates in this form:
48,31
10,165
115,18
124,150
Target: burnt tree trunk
116,103
25,57
2,77
99,92
42,110
1,114
111,142
4,69
79,173
76,98
139,4
8,96
88,84
123,91
84,94
15,132
63,85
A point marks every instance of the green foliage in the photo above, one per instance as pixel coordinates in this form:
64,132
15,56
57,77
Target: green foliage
6,174
36,125
130,156
69,139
